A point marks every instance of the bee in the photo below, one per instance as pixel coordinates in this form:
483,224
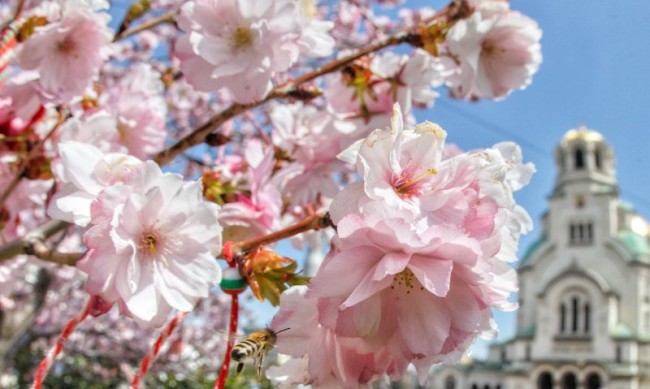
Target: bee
254,348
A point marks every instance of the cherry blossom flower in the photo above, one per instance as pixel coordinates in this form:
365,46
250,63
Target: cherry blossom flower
235,45
315,41
160,254
498,50
153,237
85,171
66,53
368,93
397,166
98,129
419,237
20,104
140,109
313,138
260,213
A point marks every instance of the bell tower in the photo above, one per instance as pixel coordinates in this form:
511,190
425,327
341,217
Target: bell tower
585,161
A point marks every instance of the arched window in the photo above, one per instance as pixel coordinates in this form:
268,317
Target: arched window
474,386
486,386
579,156
598,159
569,381
593,381
545,381
575,314
450,382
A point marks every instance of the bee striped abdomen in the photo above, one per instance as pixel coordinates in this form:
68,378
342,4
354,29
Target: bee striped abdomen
247,349
253,349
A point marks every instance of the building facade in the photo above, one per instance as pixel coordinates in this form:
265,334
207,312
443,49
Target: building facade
584,315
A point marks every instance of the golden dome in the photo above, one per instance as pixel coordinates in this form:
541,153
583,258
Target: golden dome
582,133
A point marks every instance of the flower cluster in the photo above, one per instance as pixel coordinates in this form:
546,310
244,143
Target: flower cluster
275,105
496,51
239,46
67,52
151,239
420,257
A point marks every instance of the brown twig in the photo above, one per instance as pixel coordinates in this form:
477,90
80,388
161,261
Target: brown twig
168,17
39,249
30,243
22,170
282,91
315,223
34,242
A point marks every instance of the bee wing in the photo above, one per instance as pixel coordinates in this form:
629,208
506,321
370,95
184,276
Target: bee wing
225,336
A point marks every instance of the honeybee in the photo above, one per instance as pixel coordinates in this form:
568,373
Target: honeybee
254,348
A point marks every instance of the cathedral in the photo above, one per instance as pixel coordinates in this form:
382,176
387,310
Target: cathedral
584,299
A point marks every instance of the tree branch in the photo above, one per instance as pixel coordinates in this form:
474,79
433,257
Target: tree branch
315,223
168,17
282,91
31,244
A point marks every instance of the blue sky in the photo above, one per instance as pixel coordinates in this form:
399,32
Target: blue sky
596,72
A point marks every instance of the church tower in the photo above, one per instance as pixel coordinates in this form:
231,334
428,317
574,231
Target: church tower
584,315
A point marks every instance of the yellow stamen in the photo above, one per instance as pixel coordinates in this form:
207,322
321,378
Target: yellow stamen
407,185
242,38
149,242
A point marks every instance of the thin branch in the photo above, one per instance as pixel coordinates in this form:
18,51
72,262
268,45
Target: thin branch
315,223
284,90
22,170
168,17
25,244
40,250
34,242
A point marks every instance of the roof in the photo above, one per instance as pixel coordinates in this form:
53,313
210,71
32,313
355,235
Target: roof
531,250
582,133
622,331
635,243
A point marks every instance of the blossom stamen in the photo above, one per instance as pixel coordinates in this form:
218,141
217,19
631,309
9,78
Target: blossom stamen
242,38
408,187
405,280
148,243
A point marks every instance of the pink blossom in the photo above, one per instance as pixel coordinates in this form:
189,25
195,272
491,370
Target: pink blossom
315,41
98,129
393,78
375,295
140,109
260,213
498,51
153,237
418,237
159,254
20,103
66,53
398,166
321,357
313,138
85,171
236,45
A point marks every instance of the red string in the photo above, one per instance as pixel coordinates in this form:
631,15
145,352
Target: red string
227,253
46,363
232,329
155,349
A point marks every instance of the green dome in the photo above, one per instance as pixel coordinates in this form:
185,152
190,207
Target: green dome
634,242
